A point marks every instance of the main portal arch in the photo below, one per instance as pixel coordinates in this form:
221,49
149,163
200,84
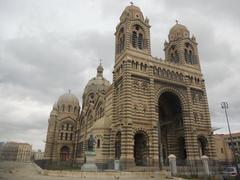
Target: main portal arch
171,129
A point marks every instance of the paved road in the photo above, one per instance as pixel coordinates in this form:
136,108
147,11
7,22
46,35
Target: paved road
28,171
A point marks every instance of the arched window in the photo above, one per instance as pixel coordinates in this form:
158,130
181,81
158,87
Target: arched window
145,67
121,40
134,39
138,37
172,57
91,98
61,137
66,136
173,54
176,57
63,108
190,59
75,109
136,65
69,108
140,41
98,143
189,54
71,136
186,55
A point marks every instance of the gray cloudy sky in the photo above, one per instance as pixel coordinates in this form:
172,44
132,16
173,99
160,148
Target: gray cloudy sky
48,47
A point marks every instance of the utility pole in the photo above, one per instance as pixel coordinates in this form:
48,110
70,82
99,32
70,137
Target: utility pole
224,106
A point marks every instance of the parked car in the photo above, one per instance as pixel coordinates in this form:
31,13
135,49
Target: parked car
229,171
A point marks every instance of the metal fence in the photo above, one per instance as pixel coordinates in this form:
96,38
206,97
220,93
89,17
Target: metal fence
194,168
185,168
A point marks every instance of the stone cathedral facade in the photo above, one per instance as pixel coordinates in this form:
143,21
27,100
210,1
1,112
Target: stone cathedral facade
153,108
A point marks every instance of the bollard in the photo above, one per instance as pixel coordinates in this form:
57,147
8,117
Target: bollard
205,165
116,165
172,164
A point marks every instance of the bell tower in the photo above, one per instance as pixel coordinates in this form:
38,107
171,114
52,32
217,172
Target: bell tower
181,48
132,33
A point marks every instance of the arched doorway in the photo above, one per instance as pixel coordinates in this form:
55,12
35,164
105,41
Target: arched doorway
118,145
65,153
171,131
140,149
202,145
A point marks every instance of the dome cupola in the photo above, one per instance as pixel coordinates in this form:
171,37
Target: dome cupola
132,12
178,31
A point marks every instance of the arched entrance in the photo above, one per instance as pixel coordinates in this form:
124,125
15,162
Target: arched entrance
118,145
140,149
171,131
65,153
202,145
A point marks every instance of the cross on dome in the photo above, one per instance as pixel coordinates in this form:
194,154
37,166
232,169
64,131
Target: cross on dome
100,69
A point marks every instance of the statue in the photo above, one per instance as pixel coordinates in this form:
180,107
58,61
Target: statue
91,142
90,155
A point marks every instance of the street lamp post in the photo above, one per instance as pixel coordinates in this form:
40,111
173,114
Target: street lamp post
224,106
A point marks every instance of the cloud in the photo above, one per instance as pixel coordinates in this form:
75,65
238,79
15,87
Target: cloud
49,47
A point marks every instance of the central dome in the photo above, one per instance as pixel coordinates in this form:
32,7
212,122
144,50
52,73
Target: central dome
98,83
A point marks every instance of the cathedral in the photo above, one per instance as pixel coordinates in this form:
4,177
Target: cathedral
153,108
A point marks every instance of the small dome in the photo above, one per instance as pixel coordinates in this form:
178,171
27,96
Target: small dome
132,12
68,99
178,31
